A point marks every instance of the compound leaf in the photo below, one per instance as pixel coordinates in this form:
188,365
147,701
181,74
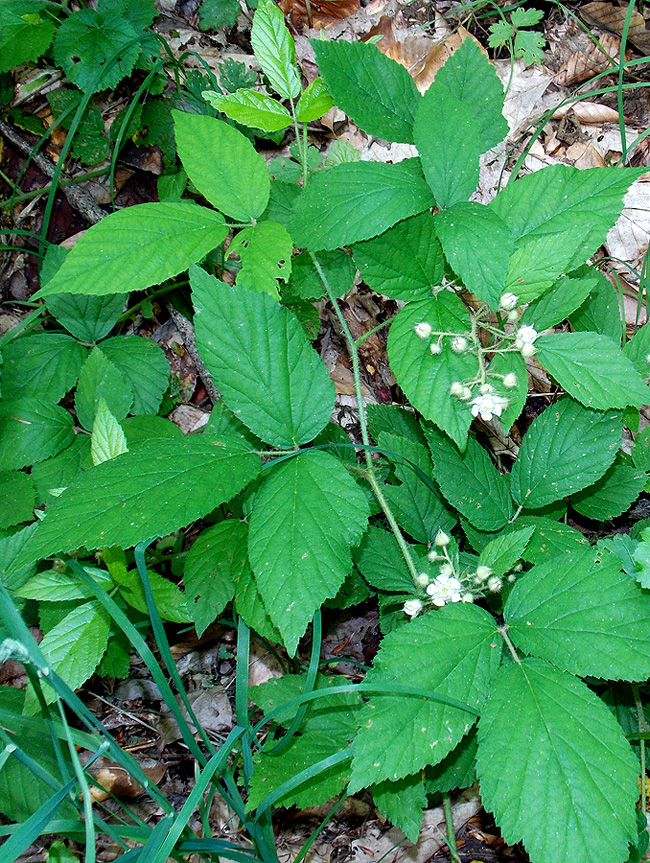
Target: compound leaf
143,366
100,378
88,318
31,431
41,366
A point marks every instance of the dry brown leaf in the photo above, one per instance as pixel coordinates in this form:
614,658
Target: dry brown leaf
115,780
324,13
583,65
611,17
587,112
584,155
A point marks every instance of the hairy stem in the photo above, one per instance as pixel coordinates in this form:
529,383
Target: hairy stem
503,631
449,824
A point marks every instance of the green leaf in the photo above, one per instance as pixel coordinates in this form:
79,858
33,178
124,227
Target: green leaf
100,378
59,471
250,605
448,141
502,553
402,803
251,108
281,202
446,652
144,368
17,498
638,350
612,495
521,17
306,515
500,34
593,369
425,377
137,247
314,102
305,282
559,302
566,449
55,586
24,34
73,648
586,617
88,318
478,245
550,540
357,200
85,46
418,506
31,431
240,186
529,45
116,662
601,311
341,151
457,770
548,745
501,365
274,49
265,250
214,14
376,92
276,385
469,76
394,419
14,572
641,449
153,490
470,482
108,440
90,144
405,262
381,563
212,566
169,601
41,366
558,216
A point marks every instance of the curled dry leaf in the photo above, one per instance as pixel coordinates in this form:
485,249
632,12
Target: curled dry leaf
612,18
583,65
115,781
324,13
584,155
587,112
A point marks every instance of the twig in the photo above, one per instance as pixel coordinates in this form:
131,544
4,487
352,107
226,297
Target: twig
187,331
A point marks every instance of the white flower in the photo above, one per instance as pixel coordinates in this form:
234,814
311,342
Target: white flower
494,584
528,350
459,344
423,330
508,301
525,336
510,381
488,405
423,579
444,589
412,607
441,539
482,574
435,348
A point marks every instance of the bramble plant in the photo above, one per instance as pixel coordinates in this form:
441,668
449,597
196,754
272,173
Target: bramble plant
512,648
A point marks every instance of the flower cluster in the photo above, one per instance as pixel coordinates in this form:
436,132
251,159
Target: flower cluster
524,341
488,404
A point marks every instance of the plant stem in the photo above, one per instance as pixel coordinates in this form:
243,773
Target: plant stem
503,631
449,823
643,727
365,437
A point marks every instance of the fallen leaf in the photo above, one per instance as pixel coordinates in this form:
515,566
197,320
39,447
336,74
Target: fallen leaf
324,13
587,112
583,65
115,781
584,155
611,17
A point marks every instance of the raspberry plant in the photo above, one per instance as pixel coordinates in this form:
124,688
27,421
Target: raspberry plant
504,629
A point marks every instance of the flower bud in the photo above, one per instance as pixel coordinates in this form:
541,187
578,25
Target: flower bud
494,584
423,330
647,358
441,540
508,301
423,579
513,316
447,570
435,348
482,574
456,389
468,597
459,344
528,350
510,381
466,394
412,607
486,388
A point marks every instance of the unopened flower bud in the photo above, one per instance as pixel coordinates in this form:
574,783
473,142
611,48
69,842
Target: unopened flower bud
447,570
486,388
494,584
510,381
435,348
456,389
528,350
459,344
441,540
466,394
508,302
423,330
468,597
423,579
412,607
647,358
482,574
513,316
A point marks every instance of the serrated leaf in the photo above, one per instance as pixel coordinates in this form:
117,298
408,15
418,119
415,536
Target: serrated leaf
601,311
405,262
137,247
274,49
477,244
169,601
394,419
502,553
376,92
500,34
447,652
90,144
448,141
418,507
587,617
567,448
637,350
305,282
212,567
402,803
24,34
314,102
592,369
559,216
357,200
265,250
59,471
31,431
251,108
550,539
278,385
240,185
100,378
425,377
381,563
17,498
306,515
214,14
281,202
144,368
521,17
457,770
153,490
529,45
41,366
641,449
85,46
470,482
88,318
250,606
612,495
13,571
73,648
108,440
55,586
559,302
529,762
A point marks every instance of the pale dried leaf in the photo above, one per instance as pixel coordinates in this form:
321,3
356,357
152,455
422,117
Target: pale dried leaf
583,65
526,97
628,239
324,13
116,781
611,17
584,155
590,113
